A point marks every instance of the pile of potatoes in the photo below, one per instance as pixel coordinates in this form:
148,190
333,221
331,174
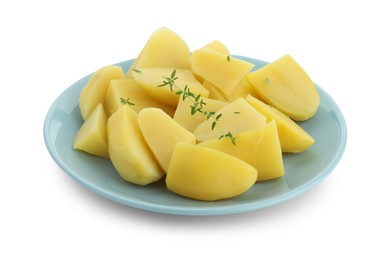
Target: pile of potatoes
148,131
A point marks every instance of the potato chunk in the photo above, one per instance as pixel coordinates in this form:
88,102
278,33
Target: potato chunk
259,147
213,46
92,135
224,71
190,121
217,46
286,86
236,117
129,89
293,138
162,133
129,153
241,90
207,174
163,49
151,78
94,92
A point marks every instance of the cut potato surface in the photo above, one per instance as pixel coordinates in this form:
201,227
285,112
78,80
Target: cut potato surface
92,135
94,92
129,153
224,71
238,116
242,89
217,46
183,112
293,138
151,79
286,86
162,133
207,174
213,46
259,147
163,49
130,91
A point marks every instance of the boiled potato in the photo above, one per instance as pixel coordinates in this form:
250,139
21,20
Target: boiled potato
163,49
183,112
129,153
220,69
286,86
217,46
214,46
94,92
293,138
259,147
150,79
204,173
162,133
241,90
129,89
238,116
92,135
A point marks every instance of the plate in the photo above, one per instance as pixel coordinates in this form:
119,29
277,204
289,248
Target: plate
303,171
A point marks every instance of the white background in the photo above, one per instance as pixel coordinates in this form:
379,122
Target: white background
46,46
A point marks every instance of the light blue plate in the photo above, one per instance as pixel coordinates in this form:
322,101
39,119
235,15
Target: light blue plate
303,170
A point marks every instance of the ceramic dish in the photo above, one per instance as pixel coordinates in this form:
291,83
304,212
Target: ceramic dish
303,170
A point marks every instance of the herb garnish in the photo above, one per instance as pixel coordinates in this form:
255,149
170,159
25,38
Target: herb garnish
267,81
126,101
196,100
230,136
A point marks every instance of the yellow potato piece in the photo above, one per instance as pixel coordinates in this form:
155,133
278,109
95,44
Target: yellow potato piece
241,90
150,79
293,138
204,173
162,133
129,89
94,92
224,71
163,49
217,46
238,116
184,117
129,153
286,86
92,135
259,147
214,46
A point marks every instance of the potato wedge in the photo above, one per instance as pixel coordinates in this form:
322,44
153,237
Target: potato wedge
92,135
286,86
129,153
207,174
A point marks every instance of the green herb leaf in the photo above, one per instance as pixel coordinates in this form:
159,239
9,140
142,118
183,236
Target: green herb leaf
196,100
126,101
267,82
230,136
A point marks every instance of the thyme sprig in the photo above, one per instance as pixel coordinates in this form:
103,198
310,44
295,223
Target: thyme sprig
169,81
196,100
126,101
230,136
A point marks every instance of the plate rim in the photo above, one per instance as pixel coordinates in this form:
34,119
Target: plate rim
249,206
